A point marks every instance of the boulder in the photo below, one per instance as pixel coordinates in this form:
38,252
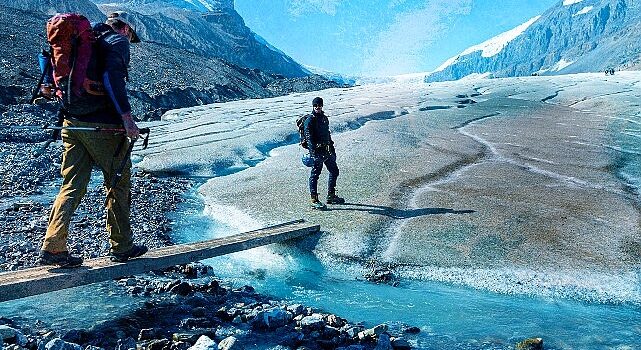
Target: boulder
315,321
530,344
296,309
204,343
147,334
59,344
400,343
373,332
183,288
186,337
271,319
7,332
126,344
384,342
230,343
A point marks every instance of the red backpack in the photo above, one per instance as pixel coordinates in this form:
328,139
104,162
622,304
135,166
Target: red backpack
72,39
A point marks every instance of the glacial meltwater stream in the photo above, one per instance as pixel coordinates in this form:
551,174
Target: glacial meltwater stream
449,316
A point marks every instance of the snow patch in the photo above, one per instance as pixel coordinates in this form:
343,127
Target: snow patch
560,65
570,2
493,46
583,11
473,76
206,5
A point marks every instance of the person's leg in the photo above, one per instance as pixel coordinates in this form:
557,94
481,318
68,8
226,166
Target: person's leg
108,150
317,168
76,173
332,167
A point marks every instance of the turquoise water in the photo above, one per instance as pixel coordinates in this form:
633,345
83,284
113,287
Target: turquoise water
450,317
79,307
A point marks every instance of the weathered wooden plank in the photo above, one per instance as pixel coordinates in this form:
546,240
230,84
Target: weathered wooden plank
39,280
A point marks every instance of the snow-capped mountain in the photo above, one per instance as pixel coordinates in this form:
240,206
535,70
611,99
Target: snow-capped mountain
571,37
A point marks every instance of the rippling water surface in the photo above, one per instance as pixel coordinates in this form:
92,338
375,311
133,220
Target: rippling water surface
449,316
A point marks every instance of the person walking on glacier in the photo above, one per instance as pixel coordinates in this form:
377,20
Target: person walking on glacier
108,151
321,151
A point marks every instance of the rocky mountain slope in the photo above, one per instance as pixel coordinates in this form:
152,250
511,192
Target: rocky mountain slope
571,37
51,7
162,76
214,30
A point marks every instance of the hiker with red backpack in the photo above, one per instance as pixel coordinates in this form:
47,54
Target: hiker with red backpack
90,73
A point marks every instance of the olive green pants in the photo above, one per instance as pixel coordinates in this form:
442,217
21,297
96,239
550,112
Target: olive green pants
82,151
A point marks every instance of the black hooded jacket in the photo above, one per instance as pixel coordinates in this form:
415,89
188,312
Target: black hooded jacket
317,131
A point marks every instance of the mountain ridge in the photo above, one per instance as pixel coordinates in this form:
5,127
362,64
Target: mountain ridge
570,37
175,82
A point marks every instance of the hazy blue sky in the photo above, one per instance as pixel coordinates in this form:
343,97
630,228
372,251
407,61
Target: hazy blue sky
382,37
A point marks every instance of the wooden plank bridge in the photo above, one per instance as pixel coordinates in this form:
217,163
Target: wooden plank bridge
44,279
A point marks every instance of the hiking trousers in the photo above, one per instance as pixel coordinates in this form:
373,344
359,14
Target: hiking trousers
329,160
82,151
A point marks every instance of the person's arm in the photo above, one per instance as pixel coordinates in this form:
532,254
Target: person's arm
114,78
309,136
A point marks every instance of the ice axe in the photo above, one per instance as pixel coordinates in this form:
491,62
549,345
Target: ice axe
123,163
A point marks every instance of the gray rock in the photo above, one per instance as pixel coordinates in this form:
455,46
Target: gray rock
400,343
21,339
230,343
272,319
335,321
7,332
384,342
312,321
296,309
204,343
183,288
530,344
373,332
59,344
126,344
186,337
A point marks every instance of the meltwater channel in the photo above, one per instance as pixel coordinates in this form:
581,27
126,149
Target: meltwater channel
449,316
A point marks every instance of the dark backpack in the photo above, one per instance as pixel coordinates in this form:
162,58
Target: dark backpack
300,123
75,68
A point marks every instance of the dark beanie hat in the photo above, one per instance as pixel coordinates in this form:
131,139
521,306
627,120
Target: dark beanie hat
317,101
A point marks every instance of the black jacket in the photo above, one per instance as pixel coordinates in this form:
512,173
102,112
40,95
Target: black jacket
317,132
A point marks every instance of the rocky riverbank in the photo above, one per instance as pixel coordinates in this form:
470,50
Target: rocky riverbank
185,307
30,182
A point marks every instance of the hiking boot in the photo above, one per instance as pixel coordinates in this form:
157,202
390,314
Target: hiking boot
332,198
62,259
316,204
134,252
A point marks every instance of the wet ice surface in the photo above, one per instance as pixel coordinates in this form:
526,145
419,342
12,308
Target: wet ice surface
525,186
